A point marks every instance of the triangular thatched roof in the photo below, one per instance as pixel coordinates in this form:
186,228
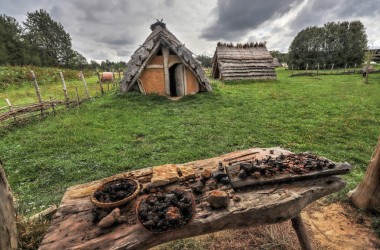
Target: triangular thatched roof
276,62
242,61
159,37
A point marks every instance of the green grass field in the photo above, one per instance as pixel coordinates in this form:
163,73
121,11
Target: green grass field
334,116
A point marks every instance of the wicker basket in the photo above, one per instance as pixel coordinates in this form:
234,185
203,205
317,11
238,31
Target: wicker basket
116,203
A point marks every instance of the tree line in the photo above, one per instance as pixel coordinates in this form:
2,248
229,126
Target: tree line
42,41
337,43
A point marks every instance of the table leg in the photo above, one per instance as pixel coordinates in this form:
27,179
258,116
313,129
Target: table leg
300,229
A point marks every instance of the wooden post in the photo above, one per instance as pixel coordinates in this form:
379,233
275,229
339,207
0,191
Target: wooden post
38,92
52,104
77,93
324,69
332,68
100,83
10,108
85,85
8,228
317,68
300,229
292,68
165,53
307,66
345,67
355,68
65,90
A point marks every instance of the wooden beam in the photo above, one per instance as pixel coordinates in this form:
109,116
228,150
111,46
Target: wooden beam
165,53
154,66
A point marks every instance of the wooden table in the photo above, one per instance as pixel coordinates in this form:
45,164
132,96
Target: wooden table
72,226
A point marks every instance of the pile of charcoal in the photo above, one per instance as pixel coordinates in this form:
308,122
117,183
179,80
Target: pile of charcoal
160,212
284,164
116,191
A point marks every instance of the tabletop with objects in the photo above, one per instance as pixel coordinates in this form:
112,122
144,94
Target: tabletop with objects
147,207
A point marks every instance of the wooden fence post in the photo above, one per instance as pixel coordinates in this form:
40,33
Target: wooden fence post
332,68
307,66
100,83
38,92
8,228
355,68
78,99
345,67
324,69
11,108
52,104
317,68
85,85
292,68
65,90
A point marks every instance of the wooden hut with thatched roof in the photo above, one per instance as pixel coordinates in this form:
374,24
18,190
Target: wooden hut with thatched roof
163,65
242,61
276,62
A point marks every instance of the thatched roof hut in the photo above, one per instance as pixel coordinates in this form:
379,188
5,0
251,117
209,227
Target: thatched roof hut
242,61
163,65
276,62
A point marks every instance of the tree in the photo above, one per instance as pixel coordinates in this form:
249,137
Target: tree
367,194
335,43
206,61
282,57
49,37
11,46
8,228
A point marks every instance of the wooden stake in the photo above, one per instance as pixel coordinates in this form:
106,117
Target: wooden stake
317,68
38,92
65,90
307,66
52,104
355,68
10,108
324,69
345,67
292,68
85,85
165,53
300,229
8,228
332,68
77,93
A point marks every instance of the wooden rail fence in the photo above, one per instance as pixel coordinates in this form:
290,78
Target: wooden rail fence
323,69
14,114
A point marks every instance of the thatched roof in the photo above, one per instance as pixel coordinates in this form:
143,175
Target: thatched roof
160,37
242,61
276,62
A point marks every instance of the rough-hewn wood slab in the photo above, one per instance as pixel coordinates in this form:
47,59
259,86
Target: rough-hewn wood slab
72,227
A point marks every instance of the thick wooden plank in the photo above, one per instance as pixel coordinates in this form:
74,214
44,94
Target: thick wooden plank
72,226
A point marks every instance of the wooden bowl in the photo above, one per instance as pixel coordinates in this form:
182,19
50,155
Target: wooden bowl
187,194
116,203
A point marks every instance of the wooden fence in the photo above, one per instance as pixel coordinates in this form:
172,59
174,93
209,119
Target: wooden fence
15,114
318,69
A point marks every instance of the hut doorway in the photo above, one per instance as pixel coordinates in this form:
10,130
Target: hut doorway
176,76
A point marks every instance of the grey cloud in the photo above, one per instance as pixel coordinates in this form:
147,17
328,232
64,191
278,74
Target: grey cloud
236,17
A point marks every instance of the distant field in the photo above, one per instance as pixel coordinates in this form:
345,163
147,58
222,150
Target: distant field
334,116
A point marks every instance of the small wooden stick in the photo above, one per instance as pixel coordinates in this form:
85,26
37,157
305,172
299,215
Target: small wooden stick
85,85
239,156
52,104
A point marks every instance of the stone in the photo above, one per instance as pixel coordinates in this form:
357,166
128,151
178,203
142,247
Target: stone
186,172
256,175
173,214
218,175
242,174
165,174
197,187
110,219
247,167
224,180
212,185
218,199
206,174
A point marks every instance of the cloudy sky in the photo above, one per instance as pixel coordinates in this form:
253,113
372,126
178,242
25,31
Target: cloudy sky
113,29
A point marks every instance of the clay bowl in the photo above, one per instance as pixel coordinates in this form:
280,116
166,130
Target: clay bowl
187,194
119,202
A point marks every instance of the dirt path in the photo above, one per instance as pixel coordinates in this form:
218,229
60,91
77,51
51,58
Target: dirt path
339,226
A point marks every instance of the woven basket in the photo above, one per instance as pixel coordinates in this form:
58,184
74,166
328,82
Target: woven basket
116,203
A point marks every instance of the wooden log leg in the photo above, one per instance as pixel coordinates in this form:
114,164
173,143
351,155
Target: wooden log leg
300,229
